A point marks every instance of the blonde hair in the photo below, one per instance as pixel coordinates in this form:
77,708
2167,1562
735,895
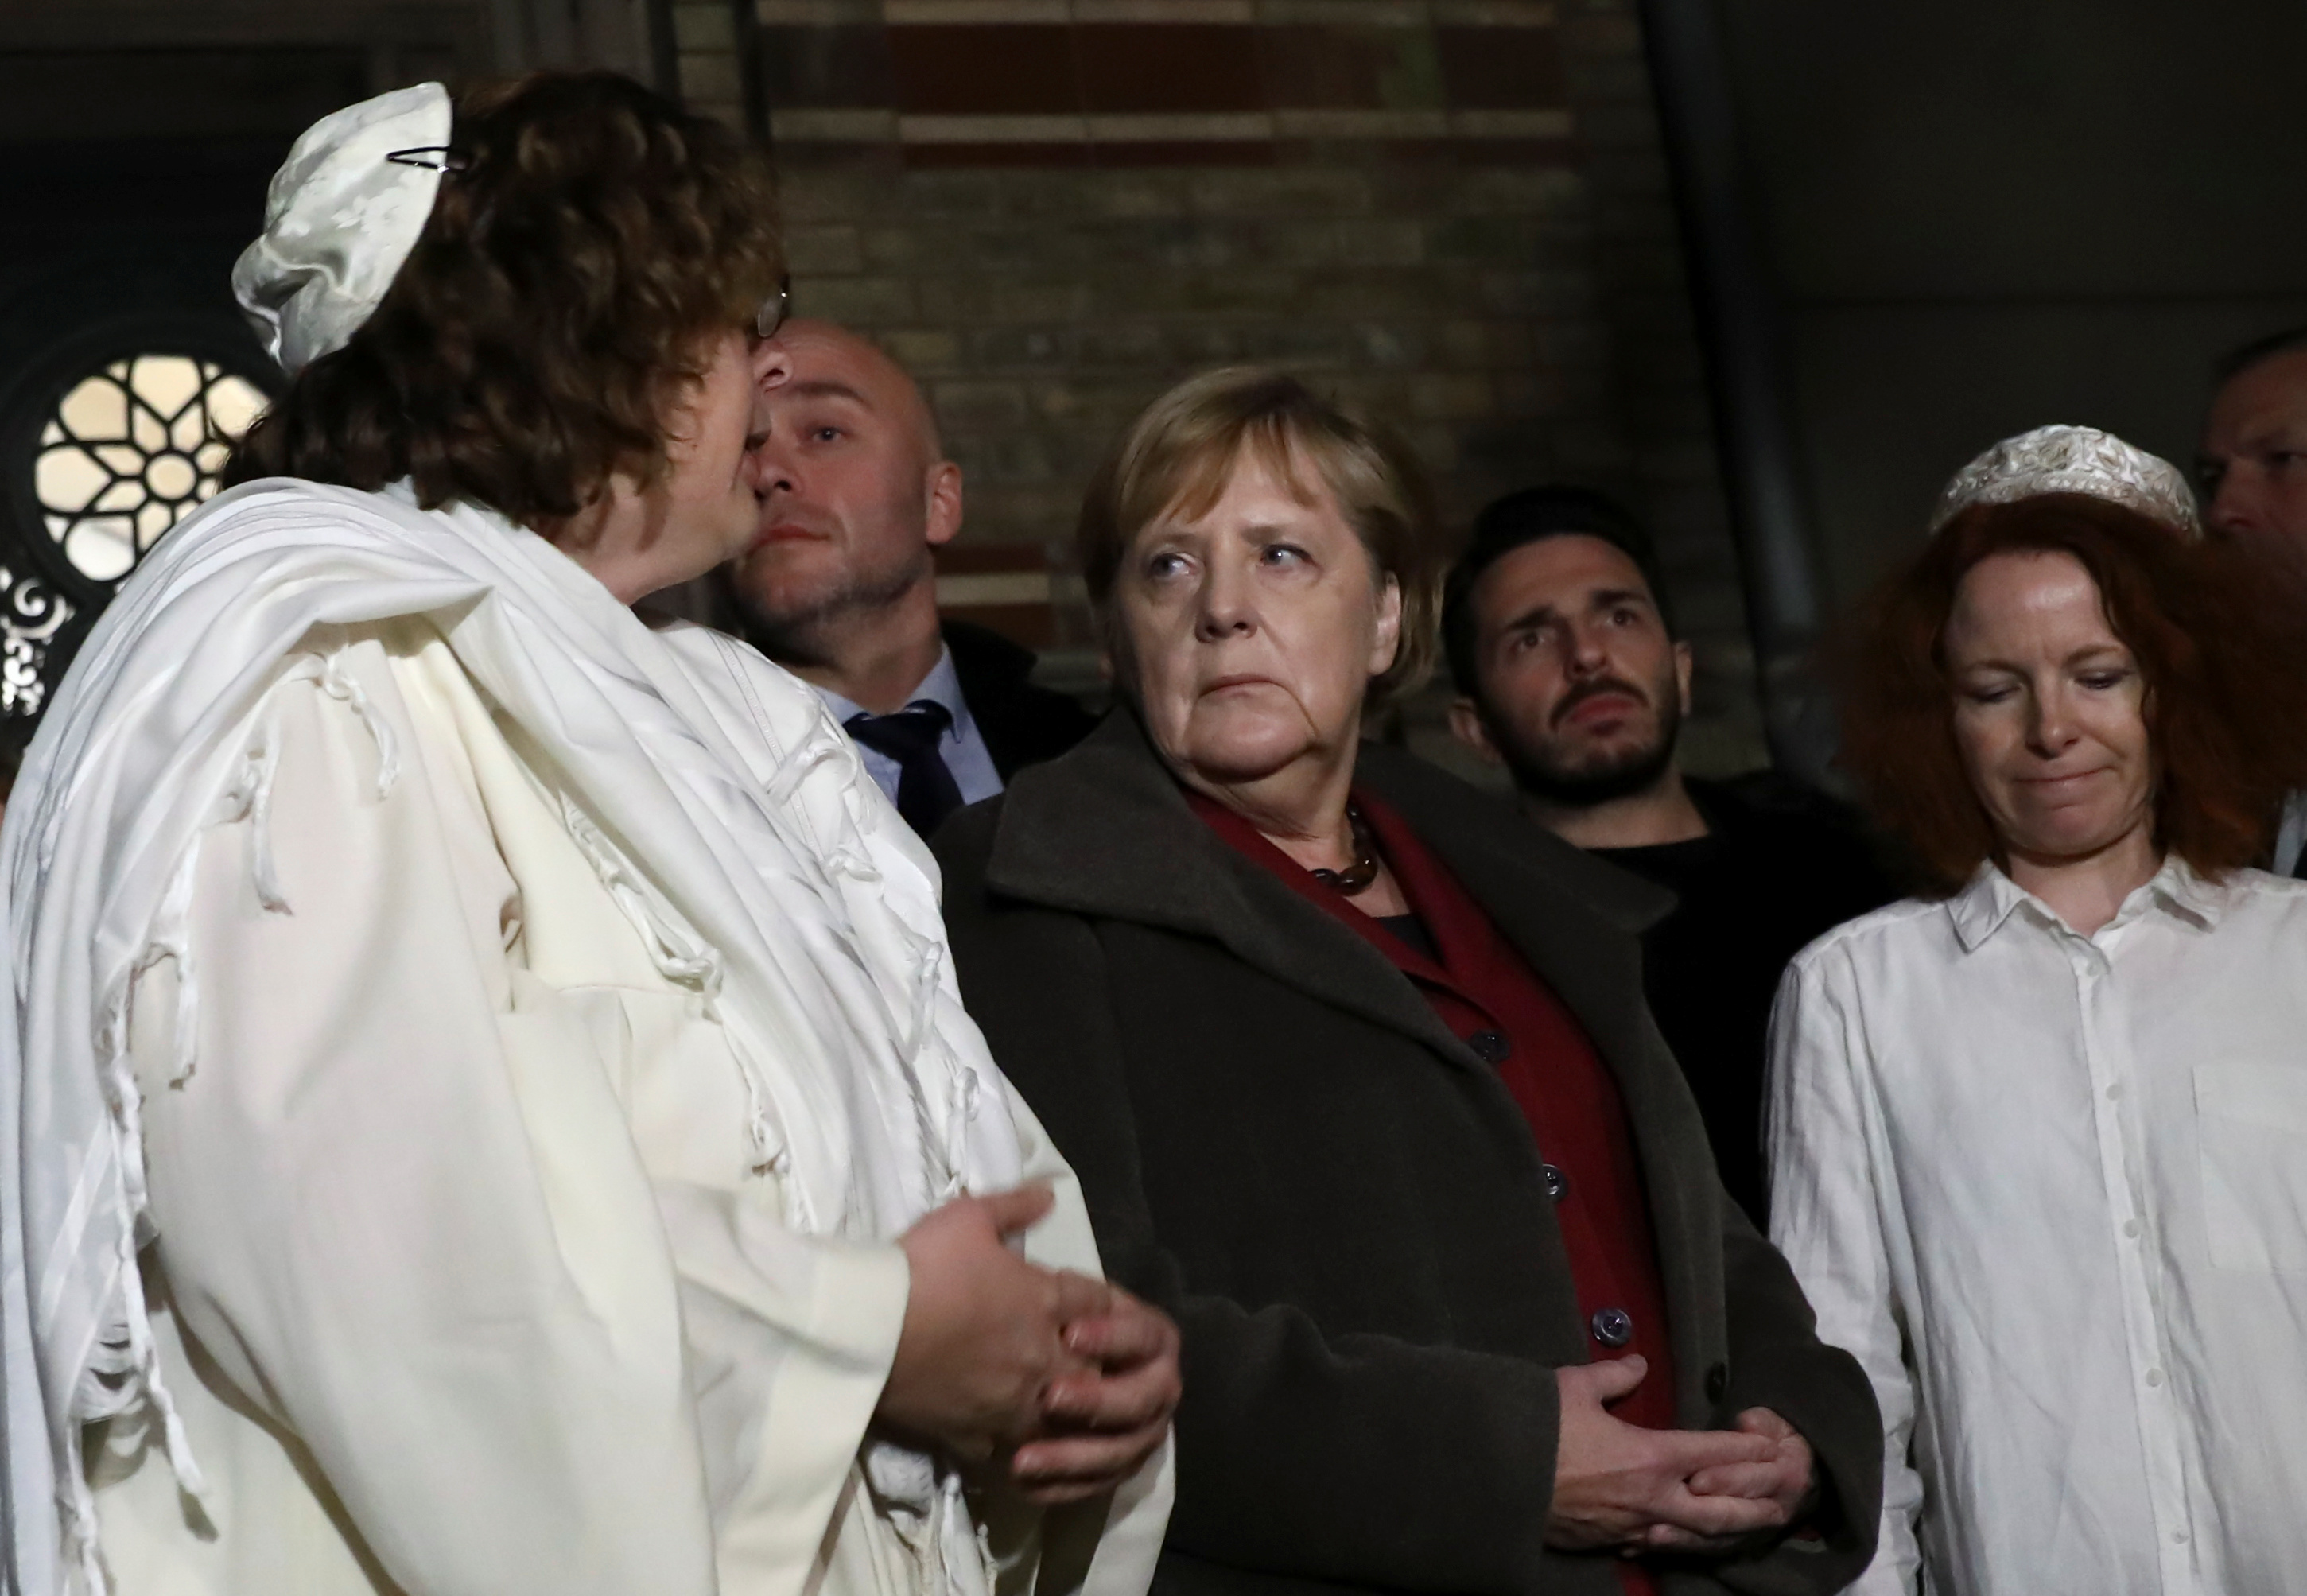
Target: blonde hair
1181,452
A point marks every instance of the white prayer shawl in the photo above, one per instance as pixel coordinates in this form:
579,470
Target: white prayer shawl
808,926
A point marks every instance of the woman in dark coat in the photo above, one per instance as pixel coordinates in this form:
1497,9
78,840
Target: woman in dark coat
1356,1072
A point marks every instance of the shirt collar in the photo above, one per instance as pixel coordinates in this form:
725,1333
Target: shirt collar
941,686
1991,898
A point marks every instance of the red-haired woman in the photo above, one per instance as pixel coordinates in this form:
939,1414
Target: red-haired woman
2039,1137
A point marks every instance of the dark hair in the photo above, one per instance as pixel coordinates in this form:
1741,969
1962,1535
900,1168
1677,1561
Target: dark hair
2239,360
1181,450
2210,626
1532,516
562,296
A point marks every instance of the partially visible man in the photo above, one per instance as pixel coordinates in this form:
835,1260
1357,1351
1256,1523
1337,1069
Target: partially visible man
2252,463
2251,469
840,586
1573,676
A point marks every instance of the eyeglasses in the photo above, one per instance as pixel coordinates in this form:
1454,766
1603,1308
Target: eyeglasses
773,312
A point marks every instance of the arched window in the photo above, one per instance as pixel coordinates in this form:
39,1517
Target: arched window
109,437
129,450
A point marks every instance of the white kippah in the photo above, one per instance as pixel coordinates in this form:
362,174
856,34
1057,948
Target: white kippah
2074,459
342,214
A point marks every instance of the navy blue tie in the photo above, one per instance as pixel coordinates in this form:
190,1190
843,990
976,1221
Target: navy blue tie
926,790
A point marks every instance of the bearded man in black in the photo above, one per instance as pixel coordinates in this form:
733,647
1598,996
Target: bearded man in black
1573,676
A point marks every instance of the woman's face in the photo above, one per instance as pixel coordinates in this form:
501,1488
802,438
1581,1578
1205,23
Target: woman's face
2049,708
707,503
701,511
1249,635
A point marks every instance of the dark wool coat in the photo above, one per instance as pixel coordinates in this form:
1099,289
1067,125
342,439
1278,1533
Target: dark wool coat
1340,1203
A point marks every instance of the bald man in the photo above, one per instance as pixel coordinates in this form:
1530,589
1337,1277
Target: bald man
840,587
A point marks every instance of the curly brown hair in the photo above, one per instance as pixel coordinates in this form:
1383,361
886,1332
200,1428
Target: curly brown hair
2213,627
584,250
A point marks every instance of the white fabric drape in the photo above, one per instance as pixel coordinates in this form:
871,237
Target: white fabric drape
800,914
2051,1190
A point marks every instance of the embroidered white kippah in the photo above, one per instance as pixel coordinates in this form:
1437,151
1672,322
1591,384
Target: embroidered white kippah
2074,459
342,214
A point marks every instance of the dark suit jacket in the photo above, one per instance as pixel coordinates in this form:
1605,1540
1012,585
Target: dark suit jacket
1022,724
1340,1203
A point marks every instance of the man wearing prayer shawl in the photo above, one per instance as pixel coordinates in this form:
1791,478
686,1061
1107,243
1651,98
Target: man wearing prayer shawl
489,1109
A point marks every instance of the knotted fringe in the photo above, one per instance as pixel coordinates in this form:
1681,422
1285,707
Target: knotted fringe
846,854
924,1500
683,957
965,1548
920,1048
249,799
799,767
933,1512
123,1371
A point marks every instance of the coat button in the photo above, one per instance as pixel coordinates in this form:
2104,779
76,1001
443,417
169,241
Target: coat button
1717,1381
1613,1327
1556,1182
1490,1047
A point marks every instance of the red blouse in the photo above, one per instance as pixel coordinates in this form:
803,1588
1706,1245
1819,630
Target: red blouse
1485,992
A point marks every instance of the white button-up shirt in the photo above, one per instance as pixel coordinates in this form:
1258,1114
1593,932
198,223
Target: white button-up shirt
2052,1190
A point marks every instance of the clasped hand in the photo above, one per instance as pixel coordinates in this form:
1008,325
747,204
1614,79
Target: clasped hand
1618,1485
1071,1380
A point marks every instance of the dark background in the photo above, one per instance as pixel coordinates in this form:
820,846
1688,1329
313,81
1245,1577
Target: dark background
1547,238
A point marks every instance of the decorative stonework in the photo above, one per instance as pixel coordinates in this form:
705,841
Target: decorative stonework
32,614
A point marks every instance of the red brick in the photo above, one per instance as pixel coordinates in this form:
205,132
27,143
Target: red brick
985,69
1502,68
1167,67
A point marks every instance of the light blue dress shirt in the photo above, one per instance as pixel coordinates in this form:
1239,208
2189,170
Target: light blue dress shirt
963,747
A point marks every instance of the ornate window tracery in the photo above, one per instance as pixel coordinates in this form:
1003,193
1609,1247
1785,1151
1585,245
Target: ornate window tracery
109,436
129,450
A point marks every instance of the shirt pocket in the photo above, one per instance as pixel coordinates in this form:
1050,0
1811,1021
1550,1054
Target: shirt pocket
2252,1144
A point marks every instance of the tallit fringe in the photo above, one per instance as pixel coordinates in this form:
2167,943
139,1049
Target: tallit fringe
932,1510
922,1049
960,1114
845,855
342,687
123,1373
921,1046
799,766
249,799
924,1501
682,957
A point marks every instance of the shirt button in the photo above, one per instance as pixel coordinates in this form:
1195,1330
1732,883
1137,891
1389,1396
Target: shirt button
1489,1046
1556,1182
1613,1327
2114,1091
2154,1376
2178,1537
2130,1227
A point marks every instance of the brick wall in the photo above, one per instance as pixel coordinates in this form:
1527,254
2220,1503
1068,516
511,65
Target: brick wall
1452,212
